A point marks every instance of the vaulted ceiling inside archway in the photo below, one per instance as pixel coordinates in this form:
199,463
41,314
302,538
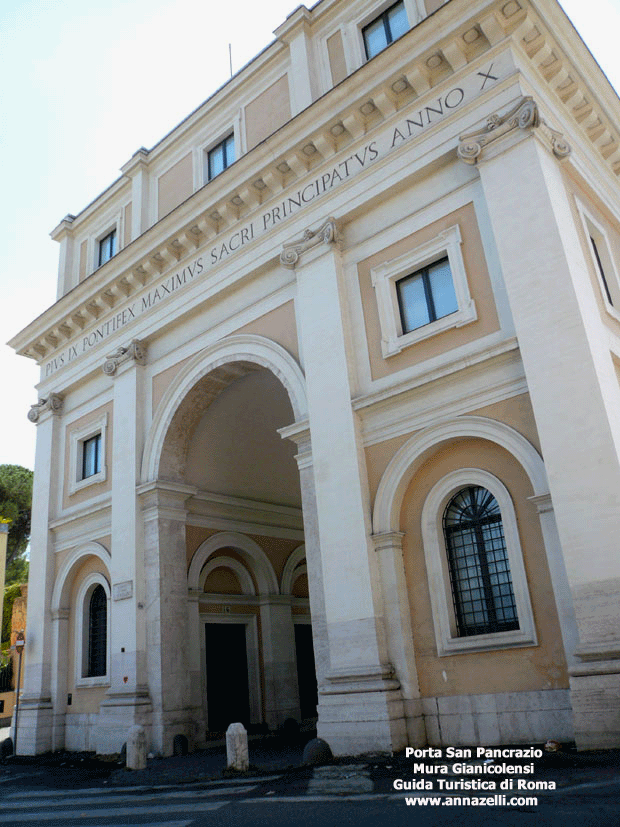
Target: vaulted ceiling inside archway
224,440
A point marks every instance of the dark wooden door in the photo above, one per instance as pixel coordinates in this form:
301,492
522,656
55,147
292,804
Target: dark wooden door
228,698
306,671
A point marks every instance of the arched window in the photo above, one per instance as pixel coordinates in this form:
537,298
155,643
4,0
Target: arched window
484,600
477,581
97,633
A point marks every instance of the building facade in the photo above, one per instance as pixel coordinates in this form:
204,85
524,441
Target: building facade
330,397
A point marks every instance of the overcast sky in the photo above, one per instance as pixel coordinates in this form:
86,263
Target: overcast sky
83,84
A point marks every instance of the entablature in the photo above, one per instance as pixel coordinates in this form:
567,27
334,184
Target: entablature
342,117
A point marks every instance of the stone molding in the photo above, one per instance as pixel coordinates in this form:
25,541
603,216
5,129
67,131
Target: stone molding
524,115
388,541
135,351
326,234
52,403
374,678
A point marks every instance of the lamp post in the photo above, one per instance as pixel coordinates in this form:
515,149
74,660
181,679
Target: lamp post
20,642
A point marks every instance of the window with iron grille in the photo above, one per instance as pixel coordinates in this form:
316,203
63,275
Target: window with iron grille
385,29
97,633
480,578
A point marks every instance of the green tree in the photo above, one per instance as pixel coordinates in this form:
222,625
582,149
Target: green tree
15,505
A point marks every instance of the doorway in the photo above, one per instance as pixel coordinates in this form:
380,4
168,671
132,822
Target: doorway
306,670
228,697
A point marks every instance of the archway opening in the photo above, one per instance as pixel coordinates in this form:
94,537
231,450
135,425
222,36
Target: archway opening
244,522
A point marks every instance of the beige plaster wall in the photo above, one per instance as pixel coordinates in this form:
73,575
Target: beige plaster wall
175,185
83,266
278,325
222,580
267,112
509,670
479,285
96,488
516,412
337,62
433,5
127,228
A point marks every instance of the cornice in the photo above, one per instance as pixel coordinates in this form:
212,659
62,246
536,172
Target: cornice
365,99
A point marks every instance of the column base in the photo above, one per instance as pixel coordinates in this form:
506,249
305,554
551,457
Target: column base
595,697
189,723
361,711
120,710
34,726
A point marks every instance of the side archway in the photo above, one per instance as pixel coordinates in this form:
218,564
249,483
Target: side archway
257,560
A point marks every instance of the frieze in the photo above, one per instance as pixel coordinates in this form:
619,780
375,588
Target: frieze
407,126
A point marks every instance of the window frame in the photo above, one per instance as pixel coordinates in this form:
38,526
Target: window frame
437,565
111,234
82,631
78,438
384,278
383,16
602,261
208,150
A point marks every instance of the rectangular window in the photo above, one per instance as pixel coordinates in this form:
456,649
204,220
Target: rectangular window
91,456
107,248
385,29
426,295
220,157
601,270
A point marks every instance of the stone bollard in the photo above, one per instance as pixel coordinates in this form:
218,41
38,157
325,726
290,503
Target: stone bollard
237,748
136,748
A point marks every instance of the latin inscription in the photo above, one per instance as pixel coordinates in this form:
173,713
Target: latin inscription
406,130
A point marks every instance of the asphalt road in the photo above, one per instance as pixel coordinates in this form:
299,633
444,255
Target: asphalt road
334,796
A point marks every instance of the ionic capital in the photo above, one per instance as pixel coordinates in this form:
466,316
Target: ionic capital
51,403
326,234
135,351
525,115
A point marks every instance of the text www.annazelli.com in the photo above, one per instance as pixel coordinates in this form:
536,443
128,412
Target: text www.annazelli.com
472,801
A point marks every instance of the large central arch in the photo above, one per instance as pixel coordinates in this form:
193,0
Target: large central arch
200,381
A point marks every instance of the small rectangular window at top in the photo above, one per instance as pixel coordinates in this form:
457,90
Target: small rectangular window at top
107,247
426,295
385,29
91,456
220,157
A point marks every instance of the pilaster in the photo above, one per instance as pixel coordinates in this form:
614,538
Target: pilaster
35,718
127,701
573,388
278,637
360,704
166,609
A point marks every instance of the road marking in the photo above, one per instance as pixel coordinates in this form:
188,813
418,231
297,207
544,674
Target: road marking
301,799
223,782
112,812
119,798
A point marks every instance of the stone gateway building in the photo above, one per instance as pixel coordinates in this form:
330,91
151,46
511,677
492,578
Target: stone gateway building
330,399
